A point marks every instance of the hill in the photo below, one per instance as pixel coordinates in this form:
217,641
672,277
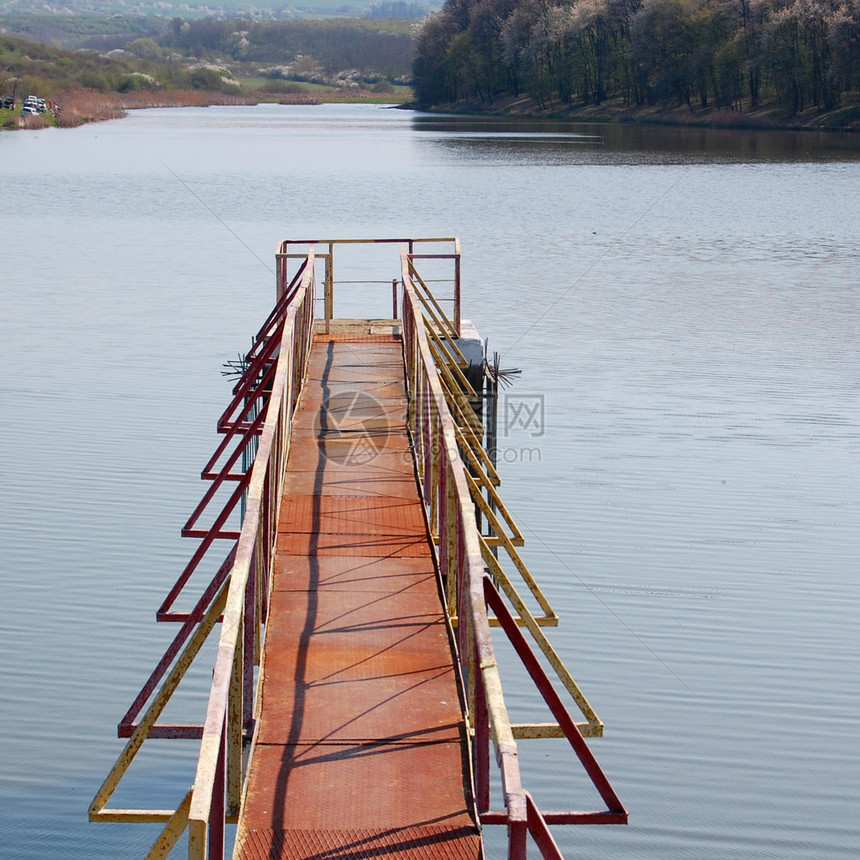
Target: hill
134,61
218,9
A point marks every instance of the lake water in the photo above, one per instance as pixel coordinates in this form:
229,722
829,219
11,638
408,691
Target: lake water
685,308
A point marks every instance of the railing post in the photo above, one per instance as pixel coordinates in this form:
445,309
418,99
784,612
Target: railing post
462,603
427,428
235,717
481,724
444,521
197,840
218,808
452,571
415,398
329,288
436,443
517,837
251,640
418,427
457,294
280,272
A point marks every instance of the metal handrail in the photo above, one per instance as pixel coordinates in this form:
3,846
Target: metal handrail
460,562
504,534
460,552
218,783
292,249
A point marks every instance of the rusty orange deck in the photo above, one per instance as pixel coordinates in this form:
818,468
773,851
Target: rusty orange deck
361,746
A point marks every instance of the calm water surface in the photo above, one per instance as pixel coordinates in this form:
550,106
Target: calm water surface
685,307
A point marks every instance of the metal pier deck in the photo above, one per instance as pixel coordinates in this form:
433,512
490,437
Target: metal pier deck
361,745
355,562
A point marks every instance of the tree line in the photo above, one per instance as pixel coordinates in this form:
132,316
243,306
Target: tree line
726,54
381,47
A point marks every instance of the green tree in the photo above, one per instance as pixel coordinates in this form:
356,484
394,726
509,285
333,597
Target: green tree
663,49
432,76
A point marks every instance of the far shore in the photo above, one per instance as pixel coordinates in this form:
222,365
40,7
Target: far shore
78,107
843,119
84,106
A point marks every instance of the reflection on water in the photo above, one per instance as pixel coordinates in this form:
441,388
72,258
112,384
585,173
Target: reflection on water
684,305
633,143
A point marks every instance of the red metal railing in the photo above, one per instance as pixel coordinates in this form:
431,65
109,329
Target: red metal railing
252,393
241,422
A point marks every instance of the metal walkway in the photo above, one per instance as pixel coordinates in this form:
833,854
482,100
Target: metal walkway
354,562
361,746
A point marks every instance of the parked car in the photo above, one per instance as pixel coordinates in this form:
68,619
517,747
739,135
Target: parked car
9,103
29,110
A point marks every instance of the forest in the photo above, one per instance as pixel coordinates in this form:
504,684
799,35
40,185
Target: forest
701,55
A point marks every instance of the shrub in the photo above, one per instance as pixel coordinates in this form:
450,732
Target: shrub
211,78
136,81
282,87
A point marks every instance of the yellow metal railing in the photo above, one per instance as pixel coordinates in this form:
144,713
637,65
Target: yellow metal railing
482,480
459,553
445,456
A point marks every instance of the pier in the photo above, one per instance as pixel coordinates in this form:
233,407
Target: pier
354,561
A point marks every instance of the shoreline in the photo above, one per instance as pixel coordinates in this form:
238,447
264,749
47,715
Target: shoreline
765,118
80,107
